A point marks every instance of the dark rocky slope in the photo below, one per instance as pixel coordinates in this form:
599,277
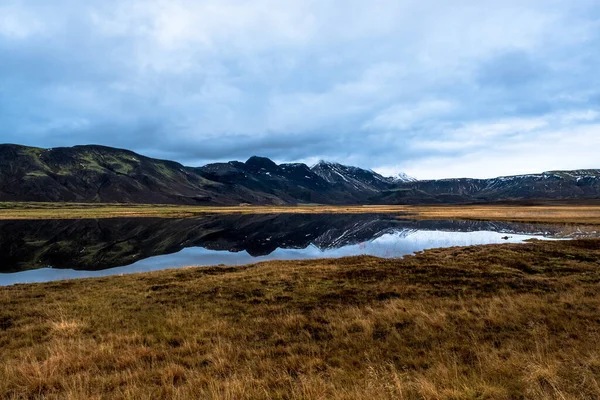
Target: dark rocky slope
104,174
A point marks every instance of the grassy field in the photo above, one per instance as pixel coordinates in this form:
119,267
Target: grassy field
89,210
576,214
512,321
580,214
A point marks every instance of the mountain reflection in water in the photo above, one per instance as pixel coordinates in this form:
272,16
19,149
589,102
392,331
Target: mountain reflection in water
155,243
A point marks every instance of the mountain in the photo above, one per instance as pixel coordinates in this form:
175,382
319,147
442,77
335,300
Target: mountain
288,183
351,179
97,174
103,174
552,185
94,173
402,177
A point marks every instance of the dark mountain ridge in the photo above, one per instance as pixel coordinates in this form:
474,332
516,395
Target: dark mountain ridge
94,173
551,185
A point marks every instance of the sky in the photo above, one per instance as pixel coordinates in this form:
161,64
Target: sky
436,89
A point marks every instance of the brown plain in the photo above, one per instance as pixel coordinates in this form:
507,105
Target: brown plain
566,213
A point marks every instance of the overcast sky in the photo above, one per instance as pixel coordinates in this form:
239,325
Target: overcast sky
434,88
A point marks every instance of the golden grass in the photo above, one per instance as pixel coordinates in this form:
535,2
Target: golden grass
487,322
89,210
579,214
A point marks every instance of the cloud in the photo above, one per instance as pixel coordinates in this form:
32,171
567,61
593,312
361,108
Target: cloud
571,149
430,87
406,116
17,23
511,146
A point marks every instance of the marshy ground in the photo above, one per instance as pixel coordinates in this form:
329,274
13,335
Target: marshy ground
512,321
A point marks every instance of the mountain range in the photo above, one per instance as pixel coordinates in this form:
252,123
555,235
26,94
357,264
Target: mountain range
94,173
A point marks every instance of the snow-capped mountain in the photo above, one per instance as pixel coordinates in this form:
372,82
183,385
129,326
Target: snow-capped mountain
552,185
350,178
403,177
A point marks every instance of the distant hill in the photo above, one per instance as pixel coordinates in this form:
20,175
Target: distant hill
553,185
94,173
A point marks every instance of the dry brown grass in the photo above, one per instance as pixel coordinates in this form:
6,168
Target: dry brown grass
90,210
577,214
487,322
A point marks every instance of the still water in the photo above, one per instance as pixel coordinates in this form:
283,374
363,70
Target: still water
40,251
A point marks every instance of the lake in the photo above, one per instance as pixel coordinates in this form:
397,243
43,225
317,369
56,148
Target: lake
46,250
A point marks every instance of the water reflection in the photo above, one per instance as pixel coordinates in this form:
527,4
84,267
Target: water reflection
57,249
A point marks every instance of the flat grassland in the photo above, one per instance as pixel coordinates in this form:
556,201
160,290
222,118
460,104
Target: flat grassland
575,214
511,321
91,210
582,214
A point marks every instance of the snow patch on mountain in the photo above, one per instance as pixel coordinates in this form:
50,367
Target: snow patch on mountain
402,177
352,178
